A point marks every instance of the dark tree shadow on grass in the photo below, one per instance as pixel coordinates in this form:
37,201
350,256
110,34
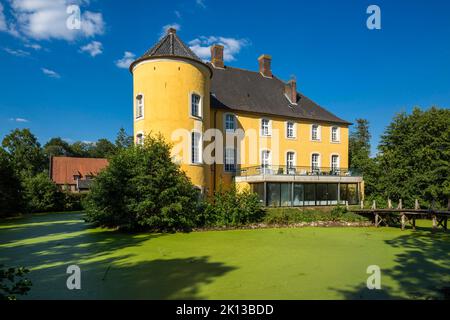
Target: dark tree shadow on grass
422,270
49,244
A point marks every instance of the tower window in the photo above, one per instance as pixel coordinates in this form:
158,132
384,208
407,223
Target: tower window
230,122
139,106
196,148
139,139
195,105
230,160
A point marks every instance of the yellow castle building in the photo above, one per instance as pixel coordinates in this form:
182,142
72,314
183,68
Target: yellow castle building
228,125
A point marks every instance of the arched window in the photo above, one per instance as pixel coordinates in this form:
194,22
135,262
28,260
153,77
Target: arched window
335,134
230,122
139,106
315,163
196,106
140,139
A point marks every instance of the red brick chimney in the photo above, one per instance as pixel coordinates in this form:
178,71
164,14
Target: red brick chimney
290,90
265,62
217,56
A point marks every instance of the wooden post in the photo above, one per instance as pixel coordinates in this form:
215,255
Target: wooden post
448,204
414,222
377,218
362,204
416,206
403,220
434,222
400,204
374,205
389,203
346,205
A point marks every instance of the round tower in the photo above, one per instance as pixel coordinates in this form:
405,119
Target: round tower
171,92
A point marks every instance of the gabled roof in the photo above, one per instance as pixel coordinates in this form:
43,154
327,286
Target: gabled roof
63,169
249,91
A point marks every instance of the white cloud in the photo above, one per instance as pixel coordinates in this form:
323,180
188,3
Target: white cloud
94,48
126,61
34,46
47,19
22,120
167,26
3,26
201,46
201,3
17,53
178,14
51,73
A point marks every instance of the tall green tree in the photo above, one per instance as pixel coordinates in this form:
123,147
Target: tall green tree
143,189
415,157
57,147
359,156
123,140
103,148
25,152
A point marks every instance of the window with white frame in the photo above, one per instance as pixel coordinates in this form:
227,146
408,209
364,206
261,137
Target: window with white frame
265,127
315,162
230,160
315,132
230,122
335,134
290,160
195,105
290,130
139,106
139,139
334,163
196,147
265,159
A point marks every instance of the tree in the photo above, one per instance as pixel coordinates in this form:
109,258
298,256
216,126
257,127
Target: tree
41,194
123,140
25,152
103,148
359,156
57,147
143,189
10,187
415,157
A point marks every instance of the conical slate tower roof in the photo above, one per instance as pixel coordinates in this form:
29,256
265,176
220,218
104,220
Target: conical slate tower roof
169,46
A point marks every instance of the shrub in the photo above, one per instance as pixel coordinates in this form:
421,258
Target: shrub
72,201
13,282
10,188
337,213
286,216
143,189
41,194
232,208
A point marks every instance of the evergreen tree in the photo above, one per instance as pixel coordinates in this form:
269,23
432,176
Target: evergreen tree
123,140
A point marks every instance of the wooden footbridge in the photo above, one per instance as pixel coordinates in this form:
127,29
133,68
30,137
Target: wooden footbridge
405,217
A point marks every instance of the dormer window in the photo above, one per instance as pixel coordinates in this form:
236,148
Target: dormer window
195,105
139,106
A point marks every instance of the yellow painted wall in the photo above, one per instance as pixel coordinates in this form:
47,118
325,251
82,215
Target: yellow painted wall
302,145
167,85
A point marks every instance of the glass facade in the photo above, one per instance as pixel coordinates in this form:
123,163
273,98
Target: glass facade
306,194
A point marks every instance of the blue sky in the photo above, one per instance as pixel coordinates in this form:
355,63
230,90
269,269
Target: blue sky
72,84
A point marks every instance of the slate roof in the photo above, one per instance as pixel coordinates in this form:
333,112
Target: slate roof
249,91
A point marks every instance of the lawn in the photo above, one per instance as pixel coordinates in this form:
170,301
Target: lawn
303,263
